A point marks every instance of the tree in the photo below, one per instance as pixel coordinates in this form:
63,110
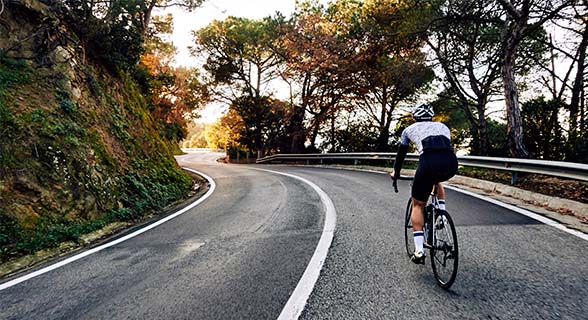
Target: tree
176,93
233,124
392,64
147,9
240,55
113,31
465,37
450,114
321,59
523,18
353,133
576,115
542,133
195,137
242,58
217,136
465,40
263,122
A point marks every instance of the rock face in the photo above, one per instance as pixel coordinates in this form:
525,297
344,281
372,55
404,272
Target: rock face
77,143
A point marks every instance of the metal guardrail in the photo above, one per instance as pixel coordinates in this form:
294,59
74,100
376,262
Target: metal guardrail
577,171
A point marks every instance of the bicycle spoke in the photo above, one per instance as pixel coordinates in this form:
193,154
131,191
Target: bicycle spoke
444,259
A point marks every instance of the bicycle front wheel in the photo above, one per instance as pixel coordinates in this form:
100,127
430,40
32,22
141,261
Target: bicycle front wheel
444,252
408,234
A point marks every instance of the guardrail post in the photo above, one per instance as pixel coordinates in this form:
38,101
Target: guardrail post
514,177
355,162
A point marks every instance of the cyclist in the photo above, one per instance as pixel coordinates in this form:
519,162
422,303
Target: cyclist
437,163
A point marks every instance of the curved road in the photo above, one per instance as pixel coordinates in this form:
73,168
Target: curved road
240,254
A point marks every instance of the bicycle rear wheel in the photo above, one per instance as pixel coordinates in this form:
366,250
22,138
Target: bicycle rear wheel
444,252
408,235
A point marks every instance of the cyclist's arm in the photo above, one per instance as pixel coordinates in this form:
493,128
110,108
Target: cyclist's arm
400,156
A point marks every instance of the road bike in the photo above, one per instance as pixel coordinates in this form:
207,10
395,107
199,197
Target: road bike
440,238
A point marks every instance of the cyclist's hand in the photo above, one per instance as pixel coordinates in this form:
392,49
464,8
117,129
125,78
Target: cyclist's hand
394,181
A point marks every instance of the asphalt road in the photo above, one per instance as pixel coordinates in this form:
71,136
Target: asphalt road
240,254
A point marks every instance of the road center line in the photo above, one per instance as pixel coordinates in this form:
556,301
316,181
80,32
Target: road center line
115,242
297,301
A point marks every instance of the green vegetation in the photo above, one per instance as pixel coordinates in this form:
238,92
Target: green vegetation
70,166
12,73
90,117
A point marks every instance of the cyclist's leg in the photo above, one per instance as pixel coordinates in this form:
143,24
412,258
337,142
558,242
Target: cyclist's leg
441,195
440,191
421,188
418,220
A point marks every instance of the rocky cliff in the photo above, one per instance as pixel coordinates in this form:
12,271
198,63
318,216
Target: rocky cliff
78,145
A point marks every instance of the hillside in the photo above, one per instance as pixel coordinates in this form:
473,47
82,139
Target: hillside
79,147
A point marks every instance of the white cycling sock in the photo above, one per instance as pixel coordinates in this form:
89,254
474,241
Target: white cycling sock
419,238
442,204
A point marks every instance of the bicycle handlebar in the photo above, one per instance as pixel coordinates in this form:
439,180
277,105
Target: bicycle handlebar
395,181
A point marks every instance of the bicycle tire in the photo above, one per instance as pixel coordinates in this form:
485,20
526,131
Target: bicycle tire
408,234
445,250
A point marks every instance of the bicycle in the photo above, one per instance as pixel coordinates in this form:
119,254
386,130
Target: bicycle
441,240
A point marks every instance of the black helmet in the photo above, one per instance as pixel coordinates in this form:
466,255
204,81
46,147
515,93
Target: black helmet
423,112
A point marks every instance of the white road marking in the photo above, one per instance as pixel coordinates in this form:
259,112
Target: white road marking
115,242
297,301
516,209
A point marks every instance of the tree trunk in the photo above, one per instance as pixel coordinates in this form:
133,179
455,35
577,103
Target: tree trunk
297,130
315,131
583,126
483,131
383,138
146,19
384,123
513,113
510,39
575,100
333,142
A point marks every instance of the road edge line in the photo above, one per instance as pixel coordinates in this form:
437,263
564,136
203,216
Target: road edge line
532,215
299,297
79,256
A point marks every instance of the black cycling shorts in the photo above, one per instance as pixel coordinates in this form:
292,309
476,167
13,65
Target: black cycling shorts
434,167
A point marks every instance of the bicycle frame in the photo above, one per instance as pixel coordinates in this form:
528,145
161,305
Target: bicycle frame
431,216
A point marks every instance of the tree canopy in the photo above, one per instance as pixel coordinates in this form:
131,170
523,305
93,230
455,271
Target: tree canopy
334,76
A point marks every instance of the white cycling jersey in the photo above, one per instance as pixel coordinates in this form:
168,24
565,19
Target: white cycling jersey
418,131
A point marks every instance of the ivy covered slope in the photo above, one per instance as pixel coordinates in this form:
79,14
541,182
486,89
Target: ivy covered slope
78,145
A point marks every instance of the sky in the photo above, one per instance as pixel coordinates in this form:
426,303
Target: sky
186,22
